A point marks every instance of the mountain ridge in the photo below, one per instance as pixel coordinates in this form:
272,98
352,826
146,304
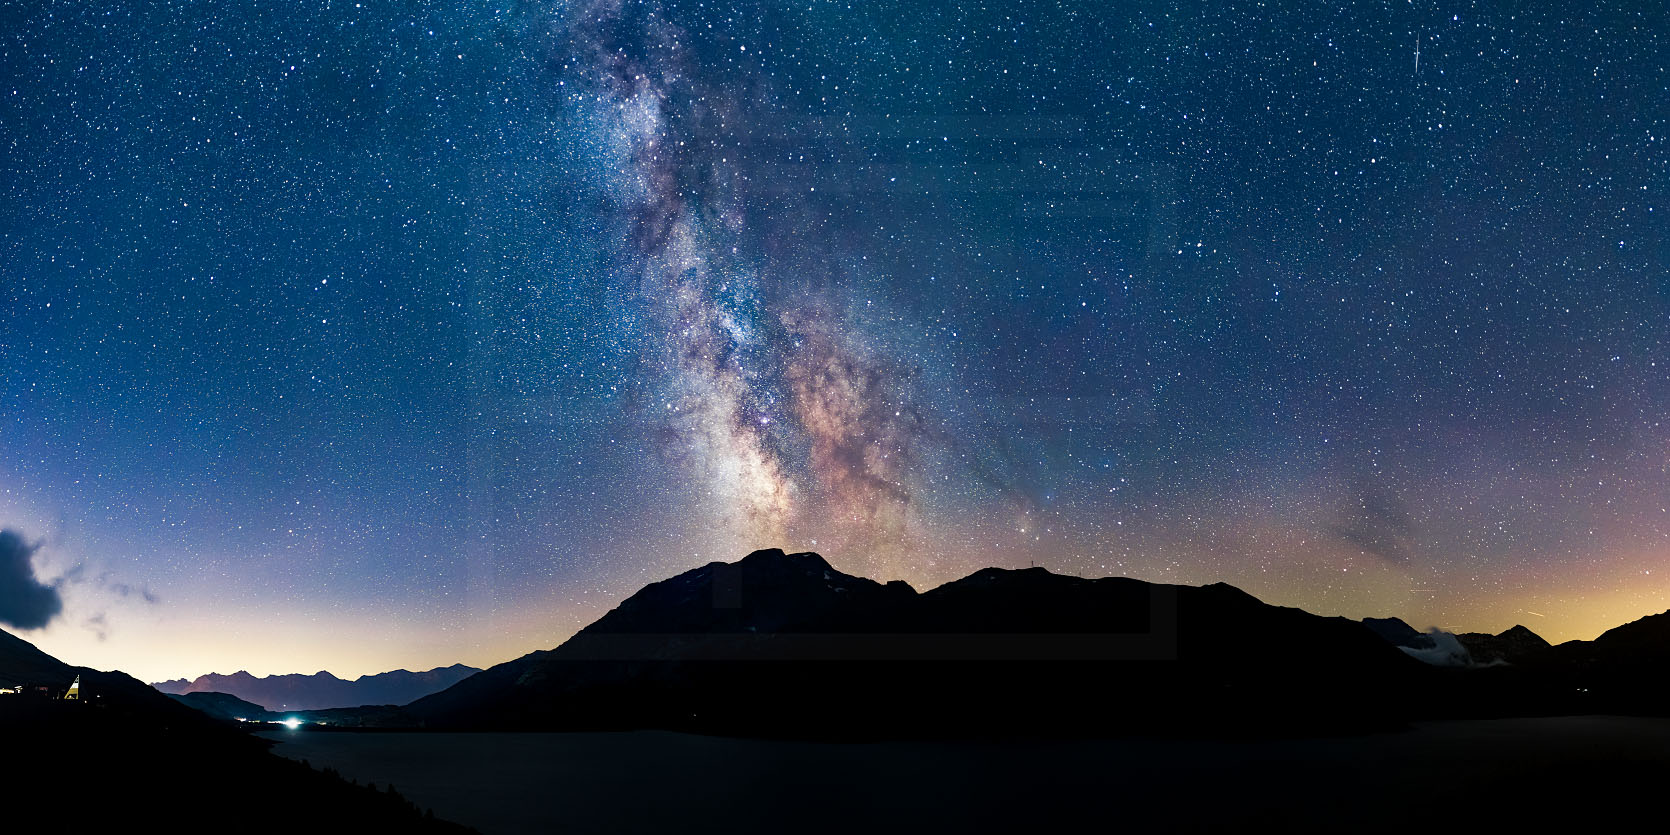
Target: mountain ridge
784,644
781,643
322,690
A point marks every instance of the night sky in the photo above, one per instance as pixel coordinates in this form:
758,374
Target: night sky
355,336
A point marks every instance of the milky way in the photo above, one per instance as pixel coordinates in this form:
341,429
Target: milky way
797,429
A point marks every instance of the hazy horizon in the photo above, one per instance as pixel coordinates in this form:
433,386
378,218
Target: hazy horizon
237,651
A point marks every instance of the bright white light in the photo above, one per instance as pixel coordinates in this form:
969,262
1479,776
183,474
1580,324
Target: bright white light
292,723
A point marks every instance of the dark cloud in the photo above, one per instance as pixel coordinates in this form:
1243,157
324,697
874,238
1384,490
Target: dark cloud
1376,522
25,602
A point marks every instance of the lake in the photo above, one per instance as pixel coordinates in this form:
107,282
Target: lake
1445,776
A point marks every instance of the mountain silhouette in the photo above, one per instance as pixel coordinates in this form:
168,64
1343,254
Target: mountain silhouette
786,644
1644,639
1513,645
322,690
1518,673
1397,633
22,663
226,706
115,693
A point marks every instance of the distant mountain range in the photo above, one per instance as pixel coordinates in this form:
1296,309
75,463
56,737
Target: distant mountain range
1464,649
1514,645
786,644
322,690
1626,670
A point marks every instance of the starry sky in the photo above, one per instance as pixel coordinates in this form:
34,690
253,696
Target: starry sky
355,336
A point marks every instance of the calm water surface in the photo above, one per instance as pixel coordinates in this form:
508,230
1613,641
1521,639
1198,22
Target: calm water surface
1451,776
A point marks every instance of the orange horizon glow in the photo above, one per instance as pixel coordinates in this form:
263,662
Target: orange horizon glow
168,645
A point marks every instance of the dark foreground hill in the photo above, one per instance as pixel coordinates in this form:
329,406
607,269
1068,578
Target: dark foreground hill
227,707
127,754
322,690
784,644
42,677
